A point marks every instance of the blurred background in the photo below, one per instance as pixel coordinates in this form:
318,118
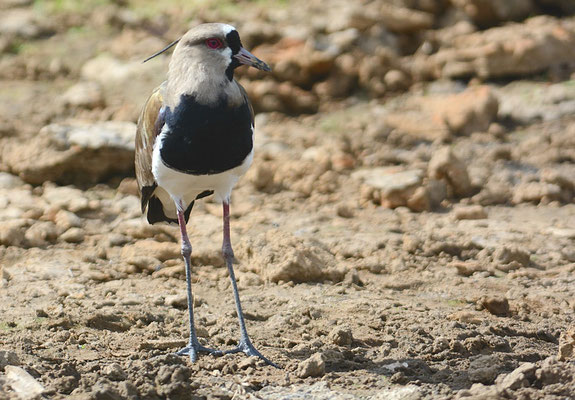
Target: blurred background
414,165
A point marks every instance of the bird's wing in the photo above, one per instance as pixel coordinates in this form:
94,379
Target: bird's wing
247,100
150,125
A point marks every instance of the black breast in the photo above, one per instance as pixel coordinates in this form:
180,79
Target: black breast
205,140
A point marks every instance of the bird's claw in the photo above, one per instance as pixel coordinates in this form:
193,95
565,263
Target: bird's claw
192,349
248,348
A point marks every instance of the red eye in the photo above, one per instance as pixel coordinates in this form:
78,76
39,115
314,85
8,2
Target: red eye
214,43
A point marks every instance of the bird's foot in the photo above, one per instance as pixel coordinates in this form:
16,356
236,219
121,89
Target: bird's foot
192,349
248,348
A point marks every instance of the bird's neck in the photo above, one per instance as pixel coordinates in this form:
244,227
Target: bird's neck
197,80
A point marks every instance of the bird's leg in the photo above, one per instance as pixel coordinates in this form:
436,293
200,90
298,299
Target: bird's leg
194,346
245,344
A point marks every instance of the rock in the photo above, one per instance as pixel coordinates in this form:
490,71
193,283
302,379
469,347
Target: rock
66,198
404,20
567,7
397,187
528,102
496,305
108,70
312,367
396,80
177,300
12,232
66,220
73,235
145,263
115,372
9,181
508,255
483,369
438,116
567,345
41,234
470,212
444,165
111,321
468,267
8,357
279,256
491,12
84,95
22,383
75,152
536,192
521,376
341,336
160,250
22,23
512,50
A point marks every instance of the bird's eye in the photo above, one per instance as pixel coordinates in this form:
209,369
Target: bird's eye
214,43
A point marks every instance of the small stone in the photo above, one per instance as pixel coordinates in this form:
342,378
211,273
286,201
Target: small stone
567,345
312,367
145,263
483,369
114,372
84,95
444,165
496,305
66,220
396,80
468,267
41,233
341,336
24,384
536,192
470,212
8,357
507,255
12,232
520,377
176,300
344,211
73,235
161,250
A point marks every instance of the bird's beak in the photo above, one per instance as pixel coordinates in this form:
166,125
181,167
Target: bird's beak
247,58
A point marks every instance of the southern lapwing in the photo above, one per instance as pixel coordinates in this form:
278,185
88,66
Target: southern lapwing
195,139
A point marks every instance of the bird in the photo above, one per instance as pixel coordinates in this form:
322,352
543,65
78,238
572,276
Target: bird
195,139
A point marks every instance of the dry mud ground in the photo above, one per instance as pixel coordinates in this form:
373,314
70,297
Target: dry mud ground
474,299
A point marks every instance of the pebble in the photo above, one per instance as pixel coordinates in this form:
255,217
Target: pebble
66,220
312,367
567,345
445,165
176,300
470,212
161,250
73,235
115,372
519,377
8,357
341,336
496,305
483,369
41,233
24,384
145,263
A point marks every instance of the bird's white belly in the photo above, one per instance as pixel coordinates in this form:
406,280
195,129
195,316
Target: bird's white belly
186,187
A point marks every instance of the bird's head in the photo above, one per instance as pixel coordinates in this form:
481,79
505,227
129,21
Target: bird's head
215,48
